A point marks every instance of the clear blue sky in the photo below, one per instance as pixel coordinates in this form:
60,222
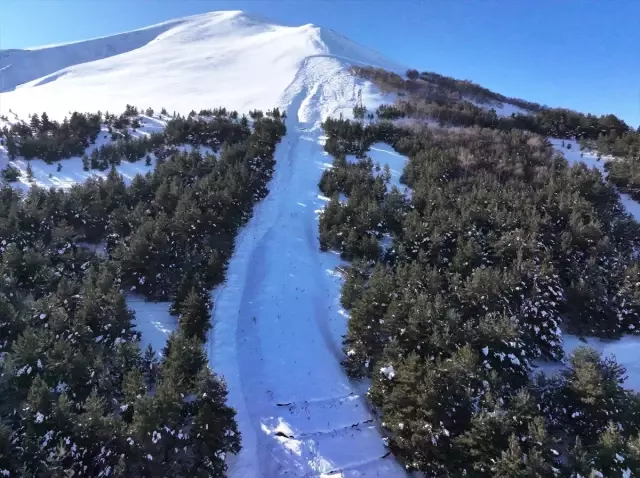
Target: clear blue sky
576,53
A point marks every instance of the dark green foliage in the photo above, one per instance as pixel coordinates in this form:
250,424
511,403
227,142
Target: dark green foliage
446,88
413,74
50,140
359,111
125,149
389,112
194,319
10,173
79,397
500,245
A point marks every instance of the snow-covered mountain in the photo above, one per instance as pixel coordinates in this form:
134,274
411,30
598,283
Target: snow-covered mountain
221,58
278,323
277,319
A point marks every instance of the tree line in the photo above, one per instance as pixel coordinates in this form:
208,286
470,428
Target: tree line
456,102
52,141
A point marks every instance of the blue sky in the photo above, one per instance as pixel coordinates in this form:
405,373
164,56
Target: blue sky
576,53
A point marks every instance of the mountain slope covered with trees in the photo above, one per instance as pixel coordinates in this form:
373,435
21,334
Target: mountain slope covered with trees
499,248
79,395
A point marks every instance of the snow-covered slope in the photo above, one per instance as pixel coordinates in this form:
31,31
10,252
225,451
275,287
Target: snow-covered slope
220,58
21,66
277,319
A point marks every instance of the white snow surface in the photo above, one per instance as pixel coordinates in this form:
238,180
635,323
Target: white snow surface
153,322
502,109
216,59
507,109
277,321
626,350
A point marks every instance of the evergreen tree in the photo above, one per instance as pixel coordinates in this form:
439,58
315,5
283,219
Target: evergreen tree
45,123
35,122
194,319
214,431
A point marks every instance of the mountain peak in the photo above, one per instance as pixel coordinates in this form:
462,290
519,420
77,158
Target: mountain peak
231,57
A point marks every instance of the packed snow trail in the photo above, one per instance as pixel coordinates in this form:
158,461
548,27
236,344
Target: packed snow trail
277,322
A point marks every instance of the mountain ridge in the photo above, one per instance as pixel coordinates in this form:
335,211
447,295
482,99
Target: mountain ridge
179,59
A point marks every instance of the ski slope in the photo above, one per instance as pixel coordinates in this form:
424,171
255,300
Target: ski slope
278,324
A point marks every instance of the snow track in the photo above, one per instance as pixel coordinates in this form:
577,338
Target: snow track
277,323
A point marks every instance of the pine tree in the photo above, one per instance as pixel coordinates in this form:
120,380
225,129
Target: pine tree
579,461
214,434
150,366
35,122
10,173
45,123
86,165
611,454
195,319
412,74
9,460
512,463
593,392
183,357
188,282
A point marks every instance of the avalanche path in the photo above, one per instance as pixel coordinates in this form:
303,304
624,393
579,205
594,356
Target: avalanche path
277,319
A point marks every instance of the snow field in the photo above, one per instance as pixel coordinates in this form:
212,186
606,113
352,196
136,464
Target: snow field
153,321
216,59
502,109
